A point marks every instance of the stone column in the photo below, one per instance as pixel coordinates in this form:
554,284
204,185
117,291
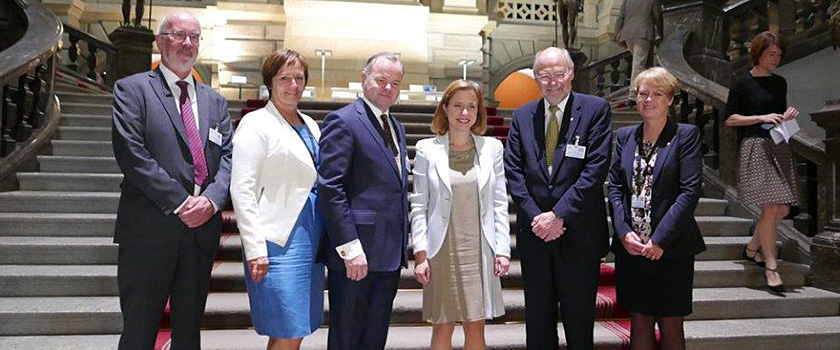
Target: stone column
825,246
134,51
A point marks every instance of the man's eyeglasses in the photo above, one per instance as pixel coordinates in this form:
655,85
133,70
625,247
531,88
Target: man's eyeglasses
557,76
181,36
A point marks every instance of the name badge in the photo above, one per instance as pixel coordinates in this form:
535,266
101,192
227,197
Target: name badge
215,137
576,151
637,202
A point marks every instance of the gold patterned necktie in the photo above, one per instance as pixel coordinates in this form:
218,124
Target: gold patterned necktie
551,135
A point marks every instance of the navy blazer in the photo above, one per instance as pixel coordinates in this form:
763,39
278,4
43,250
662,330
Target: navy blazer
151,150
361,192
677,180
574,192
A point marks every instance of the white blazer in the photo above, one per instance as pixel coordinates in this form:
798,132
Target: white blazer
272,173
431,198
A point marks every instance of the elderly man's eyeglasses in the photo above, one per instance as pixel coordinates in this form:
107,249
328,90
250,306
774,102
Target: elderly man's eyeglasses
556,76
181,36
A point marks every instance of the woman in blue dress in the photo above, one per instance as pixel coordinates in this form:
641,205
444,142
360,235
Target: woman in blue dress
275,157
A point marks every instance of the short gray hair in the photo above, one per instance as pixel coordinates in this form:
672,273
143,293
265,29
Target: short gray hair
569,63
164,22
390,56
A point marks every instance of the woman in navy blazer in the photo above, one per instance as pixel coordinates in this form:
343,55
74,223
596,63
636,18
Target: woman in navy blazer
654,186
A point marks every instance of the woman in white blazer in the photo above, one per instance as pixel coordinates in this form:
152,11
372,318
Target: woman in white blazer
459,219
275,156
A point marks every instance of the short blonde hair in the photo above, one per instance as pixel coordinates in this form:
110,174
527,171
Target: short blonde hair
657,77
440,123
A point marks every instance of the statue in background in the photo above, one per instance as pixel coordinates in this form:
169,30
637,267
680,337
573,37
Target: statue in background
567,12
138,12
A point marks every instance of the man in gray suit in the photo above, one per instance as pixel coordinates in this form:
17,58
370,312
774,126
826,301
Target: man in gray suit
637,28
171,138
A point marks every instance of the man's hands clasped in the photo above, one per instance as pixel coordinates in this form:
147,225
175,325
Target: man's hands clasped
547,226
196,211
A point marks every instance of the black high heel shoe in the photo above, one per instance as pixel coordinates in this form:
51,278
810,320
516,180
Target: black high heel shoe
779,289
753,258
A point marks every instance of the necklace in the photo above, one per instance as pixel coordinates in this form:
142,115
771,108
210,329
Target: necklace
465,144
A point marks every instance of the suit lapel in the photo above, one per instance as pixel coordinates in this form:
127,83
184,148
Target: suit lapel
366,118
296,145
203,111
571,119
483,162
628,155
441,160
538,141
666,140
167,99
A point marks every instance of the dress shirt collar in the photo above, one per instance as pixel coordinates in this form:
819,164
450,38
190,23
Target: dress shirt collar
561,105
376,111
171,79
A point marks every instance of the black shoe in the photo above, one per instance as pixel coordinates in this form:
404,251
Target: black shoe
753,258
780,289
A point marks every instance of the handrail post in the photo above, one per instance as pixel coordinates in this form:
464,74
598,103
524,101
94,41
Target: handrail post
825,246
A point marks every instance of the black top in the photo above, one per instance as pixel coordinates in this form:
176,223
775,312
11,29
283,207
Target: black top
751,95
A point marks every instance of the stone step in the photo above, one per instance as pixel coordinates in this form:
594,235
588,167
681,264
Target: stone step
57,250
65,164
58,202
230,276
819,333
85,133
57,224
68,119
75,148
231,310
625,116
87,108
86,98
80,280
76,182
718,248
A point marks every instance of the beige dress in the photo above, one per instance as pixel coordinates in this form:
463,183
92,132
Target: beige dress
455,292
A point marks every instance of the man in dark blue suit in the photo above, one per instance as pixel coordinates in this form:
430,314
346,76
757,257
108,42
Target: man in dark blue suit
362,193
556,161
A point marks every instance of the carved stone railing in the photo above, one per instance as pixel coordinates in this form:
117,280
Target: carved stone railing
524,11
89,58
702,102
28,116
605,77
802,22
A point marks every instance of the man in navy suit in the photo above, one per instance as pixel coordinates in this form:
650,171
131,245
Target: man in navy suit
362,193
556,161
171,138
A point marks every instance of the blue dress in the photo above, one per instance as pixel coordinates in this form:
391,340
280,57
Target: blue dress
289,301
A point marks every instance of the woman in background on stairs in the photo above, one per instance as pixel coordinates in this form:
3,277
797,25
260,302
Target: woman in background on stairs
766,176
654,186
275,157
459,219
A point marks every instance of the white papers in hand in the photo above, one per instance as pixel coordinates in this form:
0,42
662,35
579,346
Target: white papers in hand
784,131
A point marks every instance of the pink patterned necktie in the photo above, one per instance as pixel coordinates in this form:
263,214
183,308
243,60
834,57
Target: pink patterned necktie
193,138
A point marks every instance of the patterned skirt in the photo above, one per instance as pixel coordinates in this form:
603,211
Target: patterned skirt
766,173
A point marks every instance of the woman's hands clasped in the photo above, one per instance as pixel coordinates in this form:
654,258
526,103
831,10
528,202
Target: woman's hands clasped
633,244
258,268
776,118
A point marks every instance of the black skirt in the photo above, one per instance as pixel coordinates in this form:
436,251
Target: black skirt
654,288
